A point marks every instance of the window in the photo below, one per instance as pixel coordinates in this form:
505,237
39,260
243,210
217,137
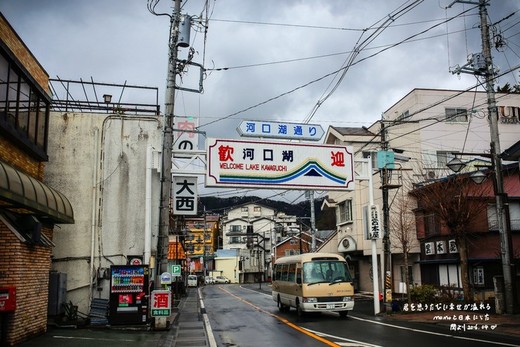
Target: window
456,115
291,252
257,209
449,275
292,273
24,108
403,116
235,239
443,158
244,209
235,228
514,215
431,226
344,211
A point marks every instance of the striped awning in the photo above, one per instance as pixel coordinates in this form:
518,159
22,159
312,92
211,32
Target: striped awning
19,191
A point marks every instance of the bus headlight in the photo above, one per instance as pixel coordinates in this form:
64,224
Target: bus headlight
310,300
347,298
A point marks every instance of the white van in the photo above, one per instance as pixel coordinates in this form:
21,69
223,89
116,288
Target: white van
192,281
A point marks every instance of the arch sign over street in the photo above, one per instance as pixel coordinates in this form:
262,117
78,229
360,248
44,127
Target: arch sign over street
278,165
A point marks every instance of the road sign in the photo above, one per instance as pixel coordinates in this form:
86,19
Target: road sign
280,130
176,270
166,278
279,165
161,303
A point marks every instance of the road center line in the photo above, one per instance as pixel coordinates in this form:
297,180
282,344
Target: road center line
283,320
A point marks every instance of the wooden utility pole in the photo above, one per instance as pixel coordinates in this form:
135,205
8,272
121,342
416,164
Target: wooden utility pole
167,146
486,69
500,195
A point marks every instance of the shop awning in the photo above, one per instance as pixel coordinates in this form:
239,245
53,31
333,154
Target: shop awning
19,191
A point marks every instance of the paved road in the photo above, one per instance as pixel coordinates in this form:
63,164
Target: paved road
245,318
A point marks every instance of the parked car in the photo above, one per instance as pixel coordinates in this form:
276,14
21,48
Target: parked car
209,280
192,281
222,279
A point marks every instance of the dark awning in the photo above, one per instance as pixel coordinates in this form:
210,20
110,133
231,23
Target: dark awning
21,191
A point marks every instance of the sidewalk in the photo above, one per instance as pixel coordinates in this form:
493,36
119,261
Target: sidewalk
189,326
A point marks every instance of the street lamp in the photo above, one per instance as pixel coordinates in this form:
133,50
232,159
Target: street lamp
456,164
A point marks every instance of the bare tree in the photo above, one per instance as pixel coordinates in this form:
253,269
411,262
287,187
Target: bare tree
457,202
403,236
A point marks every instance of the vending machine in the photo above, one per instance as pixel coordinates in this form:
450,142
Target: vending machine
128,302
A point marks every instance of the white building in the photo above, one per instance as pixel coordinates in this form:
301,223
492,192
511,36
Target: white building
422,129
99,160
253,227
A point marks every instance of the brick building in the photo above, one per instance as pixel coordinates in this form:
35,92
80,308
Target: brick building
29,208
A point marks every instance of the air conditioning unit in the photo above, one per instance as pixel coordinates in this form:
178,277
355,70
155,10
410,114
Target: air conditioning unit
430,175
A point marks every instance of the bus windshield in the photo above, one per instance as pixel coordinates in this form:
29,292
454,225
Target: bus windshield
325,271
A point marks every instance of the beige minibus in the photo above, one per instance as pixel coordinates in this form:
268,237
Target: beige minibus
313,282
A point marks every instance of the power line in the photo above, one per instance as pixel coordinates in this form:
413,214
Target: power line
327,75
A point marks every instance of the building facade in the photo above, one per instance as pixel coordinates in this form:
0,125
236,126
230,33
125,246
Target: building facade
255,228
29,208
422,131
440,245
109,155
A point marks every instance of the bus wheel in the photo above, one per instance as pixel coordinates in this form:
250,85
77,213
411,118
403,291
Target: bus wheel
299,310
281,307
343,314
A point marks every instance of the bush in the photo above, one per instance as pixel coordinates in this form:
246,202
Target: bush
423,294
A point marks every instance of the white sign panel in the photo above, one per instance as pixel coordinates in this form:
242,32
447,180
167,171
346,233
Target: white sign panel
374,231
278,165
185,137
290,131
184,195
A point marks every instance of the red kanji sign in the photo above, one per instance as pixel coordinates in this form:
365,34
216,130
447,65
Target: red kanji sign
161,303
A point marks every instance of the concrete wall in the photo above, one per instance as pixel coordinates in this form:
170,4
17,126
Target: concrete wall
99,162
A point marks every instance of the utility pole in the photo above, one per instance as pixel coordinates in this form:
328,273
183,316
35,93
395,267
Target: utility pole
387,257
167,145
500,196
313,221
485,68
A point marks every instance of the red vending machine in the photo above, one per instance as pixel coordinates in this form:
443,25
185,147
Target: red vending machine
128,294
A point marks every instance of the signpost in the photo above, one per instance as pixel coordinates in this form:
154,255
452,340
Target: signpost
279,165
161,303
280,130
176,270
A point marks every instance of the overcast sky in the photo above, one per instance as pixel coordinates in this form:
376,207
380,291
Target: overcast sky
270,59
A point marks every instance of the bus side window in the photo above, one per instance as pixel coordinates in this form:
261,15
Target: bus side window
285,274
292,272
299,275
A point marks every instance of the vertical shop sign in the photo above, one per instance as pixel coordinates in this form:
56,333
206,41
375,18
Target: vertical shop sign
185,196
185,135
161,302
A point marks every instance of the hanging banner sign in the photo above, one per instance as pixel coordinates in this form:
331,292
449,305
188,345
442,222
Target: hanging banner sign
278,165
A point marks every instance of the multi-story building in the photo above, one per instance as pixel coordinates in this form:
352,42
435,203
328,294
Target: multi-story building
30,207
423,130
201,242
253,227
442,241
